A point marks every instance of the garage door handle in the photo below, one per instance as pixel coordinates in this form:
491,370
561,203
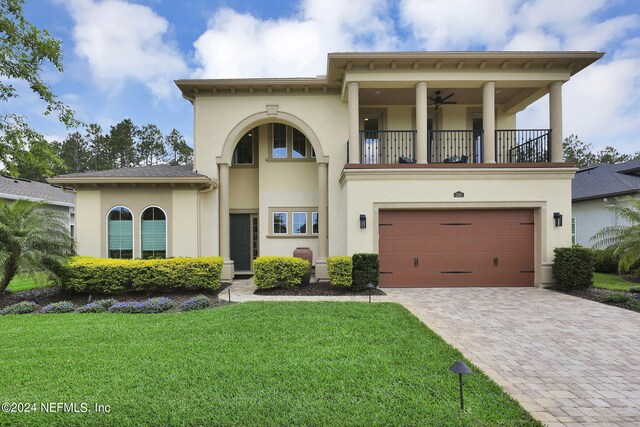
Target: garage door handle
416,262
495,261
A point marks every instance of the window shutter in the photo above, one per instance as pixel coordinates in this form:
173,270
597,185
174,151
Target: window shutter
120,235
154,235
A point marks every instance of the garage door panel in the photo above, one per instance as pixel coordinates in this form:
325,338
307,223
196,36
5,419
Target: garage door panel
456,248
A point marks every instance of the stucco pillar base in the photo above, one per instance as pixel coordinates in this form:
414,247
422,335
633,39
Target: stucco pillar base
322,269
228,270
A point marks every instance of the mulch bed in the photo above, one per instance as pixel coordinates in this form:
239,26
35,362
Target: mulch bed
316,289
52,294
600,295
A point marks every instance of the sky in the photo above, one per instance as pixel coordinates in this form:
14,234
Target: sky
121,56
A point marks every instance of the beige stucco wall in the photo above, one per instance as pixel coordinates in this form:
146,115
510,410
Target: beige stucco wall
281,183
184,223
544,191
180,206
89,219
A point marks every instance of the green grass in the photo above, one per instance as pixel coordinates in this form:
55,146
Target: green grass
25,282
251,364
611,281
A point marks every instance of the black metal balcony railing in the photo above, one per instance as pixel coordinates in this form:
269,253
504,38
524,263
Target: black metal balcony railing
454,146
387,146
523,146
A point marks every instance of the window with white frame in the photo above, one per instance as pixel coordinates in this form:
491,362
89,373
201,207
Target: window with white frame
299,222
280,222
314,222
154,233
120,233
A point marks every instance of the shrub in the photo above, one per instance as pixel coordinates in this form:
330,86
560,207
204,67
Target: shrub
634,304
99,306
617,297
273,271
198,302
573,267
605,261
22,307
366,269
340,270
107,276
59,307
152,305
634,289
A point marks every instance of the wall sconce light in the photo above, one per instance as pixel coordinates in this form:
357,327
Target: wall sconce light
363,221
557,217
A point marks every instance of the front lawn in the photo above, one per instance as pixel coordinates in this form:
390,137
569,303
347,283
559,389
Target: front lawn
611,281
262,363
25,282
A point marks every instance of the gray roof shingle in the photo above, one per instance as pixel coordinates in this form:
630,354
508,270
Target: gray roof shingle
14,188
606,180
154,171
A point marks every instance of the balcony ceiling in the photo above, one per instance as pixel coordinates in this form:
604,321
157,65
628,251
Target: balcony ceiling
407,96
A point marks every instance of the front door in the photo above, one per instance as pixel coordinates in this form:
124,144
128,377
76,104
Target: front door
240,235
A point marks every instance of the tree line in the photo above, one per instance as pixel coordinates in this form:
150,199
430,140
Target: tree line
582,154
124,145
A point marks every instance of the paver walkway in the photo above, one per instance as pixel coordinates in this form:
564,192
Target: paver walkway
567,360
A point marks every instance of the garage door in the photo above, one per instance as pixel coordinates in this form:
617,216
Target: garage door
456,248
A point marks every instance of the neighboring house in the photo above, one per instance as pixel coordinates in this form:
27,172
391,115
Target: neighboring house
412,155
596,187
53,197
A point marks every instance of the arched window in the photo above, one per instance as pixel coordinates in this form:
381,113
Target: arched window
120,233
154,233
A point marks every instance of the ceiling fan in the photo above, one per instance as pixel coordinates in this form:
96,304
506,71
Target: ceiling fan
439,100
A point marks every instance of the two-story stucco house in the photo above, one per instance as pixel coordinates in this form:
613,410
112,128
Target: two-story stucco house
415,156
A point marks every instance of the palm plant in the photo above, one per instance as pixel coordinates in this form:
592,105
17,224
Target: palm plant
31,239
623,240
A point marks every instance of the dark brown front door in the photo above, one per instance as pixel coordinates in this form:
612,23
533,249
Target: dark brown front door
456,248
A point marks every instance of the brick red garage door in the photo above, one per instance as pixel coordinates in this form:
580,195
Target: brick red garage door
456,248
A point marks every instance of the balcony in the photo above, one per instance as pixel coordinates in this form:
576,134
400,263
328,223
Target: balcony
454,146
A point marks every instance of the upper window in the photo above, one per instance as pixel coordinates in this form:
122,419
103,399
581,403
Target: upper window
279,141
154,233
120,233
243,153
289,143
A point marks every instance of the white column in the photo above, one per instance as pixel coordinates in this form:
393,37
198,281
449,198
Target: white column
421,123
489,122
322,271
555,120
354,122
223,189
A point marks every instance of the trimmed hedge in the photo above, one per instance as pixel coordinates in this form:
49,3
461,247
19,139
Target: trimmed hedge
605,261
366,269
340,268
573,267
109,276
278,271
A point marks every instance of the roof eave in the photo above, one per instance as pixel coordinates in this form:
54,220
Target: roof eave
134,180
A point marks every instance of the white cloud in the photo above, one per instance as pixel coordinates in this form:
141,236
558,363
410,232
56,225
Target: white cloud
125,42
242,45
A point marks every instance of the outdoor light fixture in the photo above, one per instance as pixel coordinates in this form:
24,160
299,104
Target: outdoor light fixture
363,221
557,217
369,287
460,368
229,290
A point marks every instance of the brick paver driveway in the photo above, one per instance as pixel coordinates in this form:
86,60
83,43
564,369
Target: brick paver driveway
567,360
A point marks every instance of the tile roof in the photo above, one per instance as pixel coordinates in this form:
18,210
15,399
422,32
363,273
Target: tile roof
154,171
14,188
606,180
